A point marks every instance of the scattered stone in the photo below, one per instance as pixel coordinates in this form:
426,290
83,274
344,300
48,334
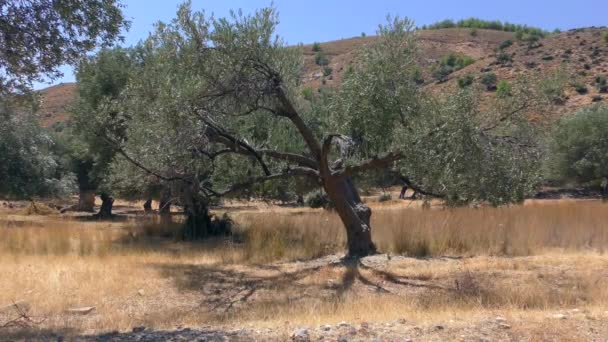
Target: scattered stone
138,329
504,326
300,335
141,292
343,338
401,321
560,316
81,311
439,327
500,319
326,327
343,324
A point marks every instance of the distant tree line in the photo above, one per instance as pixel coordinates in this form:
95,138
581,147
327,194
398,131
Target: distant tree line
476,23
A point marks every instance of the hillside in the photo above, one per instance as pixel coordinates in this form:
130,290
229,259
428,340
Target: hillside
581,53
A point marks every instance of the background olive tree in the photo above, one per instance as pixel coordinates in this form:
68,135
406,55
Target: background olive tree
579,148
36,38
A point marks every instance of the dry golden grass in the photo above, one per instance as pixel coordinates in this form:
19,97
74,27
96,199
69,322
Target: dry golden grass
527,262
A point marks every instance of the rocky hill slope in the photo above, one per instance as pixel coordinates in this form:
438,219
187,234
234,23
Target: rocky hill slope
582,54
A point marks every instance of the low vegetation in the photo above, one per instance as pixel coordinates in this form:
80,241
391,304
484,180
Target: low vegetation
476,23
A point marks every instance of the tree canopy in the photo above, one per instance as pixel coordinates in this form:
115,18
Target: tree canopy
38,36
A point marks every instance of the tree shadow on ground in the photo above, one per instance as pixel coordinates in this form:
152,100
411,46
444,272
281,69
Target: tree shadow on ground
222,290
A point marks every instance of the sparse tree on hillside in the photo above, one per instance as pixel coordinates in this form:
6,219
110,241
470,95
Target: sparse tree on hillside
227,113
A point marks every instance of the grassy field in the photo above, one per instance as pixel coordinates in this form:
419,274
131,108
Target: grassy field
524,262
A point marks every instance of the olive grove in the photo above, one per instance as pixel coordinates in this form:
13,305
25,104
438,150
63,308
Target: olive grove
216,105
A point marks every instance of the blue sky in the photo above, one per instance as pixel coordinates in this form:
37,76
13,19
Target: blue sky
324,20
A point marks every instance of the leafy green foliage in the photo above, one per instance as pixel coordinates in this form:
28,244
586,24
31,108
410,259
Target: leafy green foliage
503,58
316,47
465,81
321,59
505,44
28,165
580,146
42,35
449,64
605,36
327,71
503,89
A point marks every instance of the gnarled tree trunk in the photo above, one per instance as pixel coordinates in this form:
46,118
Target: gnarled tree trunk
355,215
107,202
148,205
196,209
86,201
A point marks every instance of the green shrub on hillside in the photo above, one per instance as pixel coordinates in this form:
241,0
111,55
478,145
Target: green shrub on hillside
449,64
489,79
505,44
605,36
321,59
465,81
316,47
503,89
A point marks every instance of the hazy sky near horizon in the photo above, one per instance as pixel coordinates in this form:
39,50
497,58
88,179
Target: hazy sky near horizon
326,20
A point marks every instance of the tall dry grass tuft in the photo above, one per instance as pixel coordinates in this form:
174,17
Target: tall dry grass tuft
510,231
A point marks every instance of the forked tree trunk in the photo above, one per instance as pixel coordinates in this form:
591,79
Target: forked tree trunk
86,201
107,202
355,215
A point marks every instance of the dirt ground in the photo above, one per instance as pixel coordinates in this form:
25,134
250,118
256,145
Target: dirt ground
161,290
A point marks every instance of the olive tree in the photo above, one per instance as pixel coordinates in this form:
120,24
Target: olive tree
220,101
580,148
101,79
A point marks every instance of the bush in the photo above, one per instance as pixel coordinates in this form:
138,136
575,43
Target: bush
317,199
489,79
503,58
580,88
605,36
505,44
473,32
503,89
363,35
417,76
321,59
316,47
442,72
465,81
327,71
449,64
602,84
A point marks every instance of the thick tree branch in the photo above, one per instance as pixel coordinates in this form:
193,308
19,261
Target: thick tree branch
290,157
416,188
288,110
